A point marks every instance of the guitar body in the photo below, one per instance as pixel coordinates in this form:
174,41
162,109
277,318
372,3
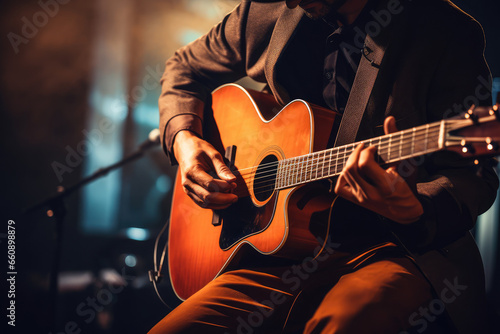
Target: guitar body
269,221
273,155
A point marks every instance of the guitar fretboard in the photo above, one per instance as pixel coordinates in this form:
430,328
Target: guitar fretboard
328,163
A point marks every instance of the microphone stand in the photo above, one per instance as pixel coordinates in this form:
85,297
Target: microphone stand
57,210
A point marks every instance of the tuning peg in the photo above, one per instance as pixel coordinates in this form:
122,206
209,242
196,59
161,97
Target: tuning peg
472,116
491,145
494,111
467,148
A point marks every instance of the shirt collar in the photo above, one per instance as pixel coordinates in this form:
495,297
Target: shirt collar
332,19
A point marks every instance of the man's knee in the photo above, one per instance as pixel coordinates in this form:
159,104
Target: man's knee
359,319
378,298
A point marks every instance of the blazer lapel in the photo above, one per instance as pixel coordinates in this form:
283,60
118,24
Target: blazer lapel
285,27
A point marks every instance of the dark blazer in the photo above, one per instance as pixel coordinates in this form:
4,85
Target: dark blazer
431,65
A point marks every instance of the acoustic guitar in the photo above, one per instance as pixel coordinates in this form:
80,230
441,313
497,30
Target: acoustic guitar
279,169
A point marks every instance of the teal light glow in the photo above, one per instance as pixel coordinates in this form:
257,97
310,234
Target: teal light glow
187,36
147,114
163,184
130,260
136,233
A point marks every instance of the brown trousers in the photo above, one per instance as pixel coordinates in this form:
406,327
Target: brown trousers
374,292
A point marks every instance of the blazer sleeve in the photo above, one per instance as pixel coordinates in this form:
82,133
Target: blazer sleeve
225,54
455,191
194,71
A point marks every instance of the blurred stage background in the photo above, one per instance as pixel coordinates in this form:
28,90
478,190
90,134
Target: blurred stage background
78,91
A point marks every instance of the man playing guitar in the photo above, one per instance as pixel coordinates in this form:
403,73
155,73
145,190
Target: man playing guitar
428,58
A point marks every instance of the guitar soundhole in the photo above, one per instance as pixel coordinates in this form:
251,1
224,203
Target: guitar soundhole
265,178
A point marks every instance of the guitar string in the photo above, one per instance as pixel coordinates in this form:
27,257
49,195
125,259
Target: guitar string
322,163
326,155
400,144
264,186
350,147
297,164
415,134
311,163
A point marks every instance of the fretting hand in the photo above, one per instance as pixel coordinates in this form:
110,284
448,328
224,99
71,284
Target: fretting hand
385,192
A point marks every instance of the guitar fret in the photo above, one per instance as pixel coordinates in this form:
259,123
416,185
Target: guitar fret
290,168
343,159
297,170
322,161
402,147
307,159
285,170
319,171
306,162
336,160
311,170
300,169
316,164
285,174
344,155
413,141
389,153
377,156
400,144
311,158
426,145
336,164
303,169
330,163
315,168
323,168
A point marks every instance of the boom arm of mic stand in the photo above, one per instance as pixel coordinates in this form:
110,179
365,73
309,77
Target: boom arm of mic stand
57,210
154,140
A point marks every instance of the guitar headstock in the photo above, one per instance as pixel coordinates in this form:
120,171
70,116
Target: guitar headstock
476,133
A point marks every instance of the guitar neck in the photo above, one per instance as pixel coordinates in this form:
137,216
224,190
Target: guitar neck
391,148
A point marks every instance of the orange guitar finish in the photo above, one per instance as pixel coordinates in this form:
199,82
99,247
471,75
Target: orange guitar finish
289,222
253,122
